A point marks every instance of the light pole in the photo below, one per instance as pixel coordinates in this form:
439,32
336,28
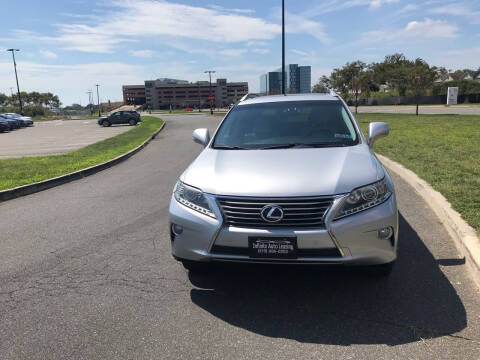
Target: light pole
210,72
98,101
16,77
283,47
90,101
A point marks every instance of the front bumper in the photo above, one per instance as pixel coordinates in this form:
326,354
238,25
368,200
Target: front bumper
352,240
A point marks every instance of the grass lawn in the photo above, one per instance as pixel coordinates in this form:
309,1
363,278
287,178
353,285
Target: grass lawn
21,171
444,150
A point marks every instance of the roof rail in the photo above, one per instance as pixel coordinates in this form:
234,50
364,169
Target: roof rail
249,96
333,93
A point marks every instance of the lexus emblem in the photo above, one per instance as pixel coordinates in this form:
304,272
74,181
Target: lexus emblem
272,213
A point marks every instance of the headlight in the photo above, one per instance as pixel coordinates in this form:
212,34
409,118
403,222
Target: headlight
364,198
193,198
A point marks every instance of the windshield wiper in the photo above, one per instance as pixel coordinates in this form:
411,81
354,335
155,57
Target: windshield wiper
229,147
303,145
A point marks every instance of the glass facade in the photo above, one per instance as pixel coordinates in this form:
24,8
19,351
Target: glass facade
298,80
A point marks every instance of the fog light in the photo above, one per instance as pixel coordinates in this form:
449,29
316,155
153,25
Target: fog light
177,229
385,233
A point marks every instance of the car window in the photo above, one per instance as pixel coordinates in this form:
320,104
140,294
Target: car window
290,122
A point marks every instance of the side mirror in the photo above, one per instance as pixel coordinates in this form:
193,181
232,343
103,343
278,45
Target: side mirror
201,136
377,130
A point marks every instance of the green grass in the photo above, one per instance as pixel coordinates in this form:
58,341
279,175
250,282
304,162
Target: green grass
21,171
444,150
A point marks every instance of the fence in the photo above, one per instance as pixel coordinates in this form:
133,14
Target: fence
410,100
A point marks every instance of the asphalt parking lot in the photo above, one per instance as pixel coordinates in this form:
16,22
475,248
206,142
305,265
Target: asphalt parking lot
55,137
86,273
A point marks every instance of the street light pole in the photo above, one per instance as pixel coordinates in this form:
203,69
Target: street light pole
90,101
210,72
283,47
98,101
16,77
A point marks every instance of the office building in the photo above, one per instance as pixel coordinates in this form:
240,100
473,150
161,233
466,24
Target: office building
298,79
163,93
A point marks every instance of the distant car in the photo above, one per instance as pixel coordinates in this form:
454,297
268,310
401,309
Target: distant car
4,125
13,123
120,117
25,120
188,109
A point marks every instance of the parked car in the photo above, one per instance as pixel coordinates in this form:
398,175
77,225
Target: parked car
4,125
13,123
25,120
120,117
286,179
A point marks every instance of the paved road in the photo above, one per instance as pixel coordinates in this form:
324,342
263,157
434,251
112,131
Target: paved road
423,109
55,137
86,273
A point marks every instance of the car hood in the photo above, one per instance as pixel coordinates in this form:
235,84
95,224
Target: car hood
283,172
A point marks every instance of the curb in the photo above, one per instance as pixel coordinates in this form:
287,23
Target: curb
79,174
464,235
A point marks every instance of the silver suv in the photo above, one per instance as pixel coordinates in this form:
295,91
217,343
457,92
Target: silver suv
286,179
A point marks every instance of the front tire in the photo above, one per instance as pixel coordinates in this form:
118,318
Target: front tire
106,123
132,122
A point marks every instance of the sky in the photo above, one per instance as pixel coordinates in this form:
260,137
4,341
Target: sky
66,47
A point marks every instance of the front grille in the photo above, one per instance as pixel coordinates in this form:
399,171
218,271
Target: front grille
298,212
230,250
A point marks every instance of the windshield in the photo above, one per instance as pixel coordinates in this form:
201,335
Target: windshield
287,124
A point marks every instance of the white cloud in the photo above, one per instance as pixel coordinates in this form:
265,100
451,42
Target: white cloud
167,23
299,52
431,29
408,9
414,30
240,11
48,54
459,9
233,52
378,3
328,6
58,79
459,59
260,51
162,20
297,24
143,53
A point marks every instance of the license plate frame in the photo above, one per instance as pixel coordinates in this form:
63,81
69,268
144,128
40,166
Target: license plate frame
278,247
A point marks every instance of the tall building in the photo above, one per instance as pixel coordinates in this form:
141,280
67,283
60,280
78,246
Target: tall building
298,79
163,93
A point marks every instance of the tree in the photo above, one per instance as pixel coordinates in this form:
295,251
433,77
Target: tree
441,73
3,99
392,71
420,77
323,86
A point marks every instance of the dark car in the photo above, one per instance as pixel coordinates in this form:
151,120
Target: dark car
120,117
24,120
13,123
4,125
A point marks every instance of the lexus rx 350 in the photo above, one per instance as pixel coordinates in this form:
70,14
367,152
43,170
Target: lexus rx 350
286,179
